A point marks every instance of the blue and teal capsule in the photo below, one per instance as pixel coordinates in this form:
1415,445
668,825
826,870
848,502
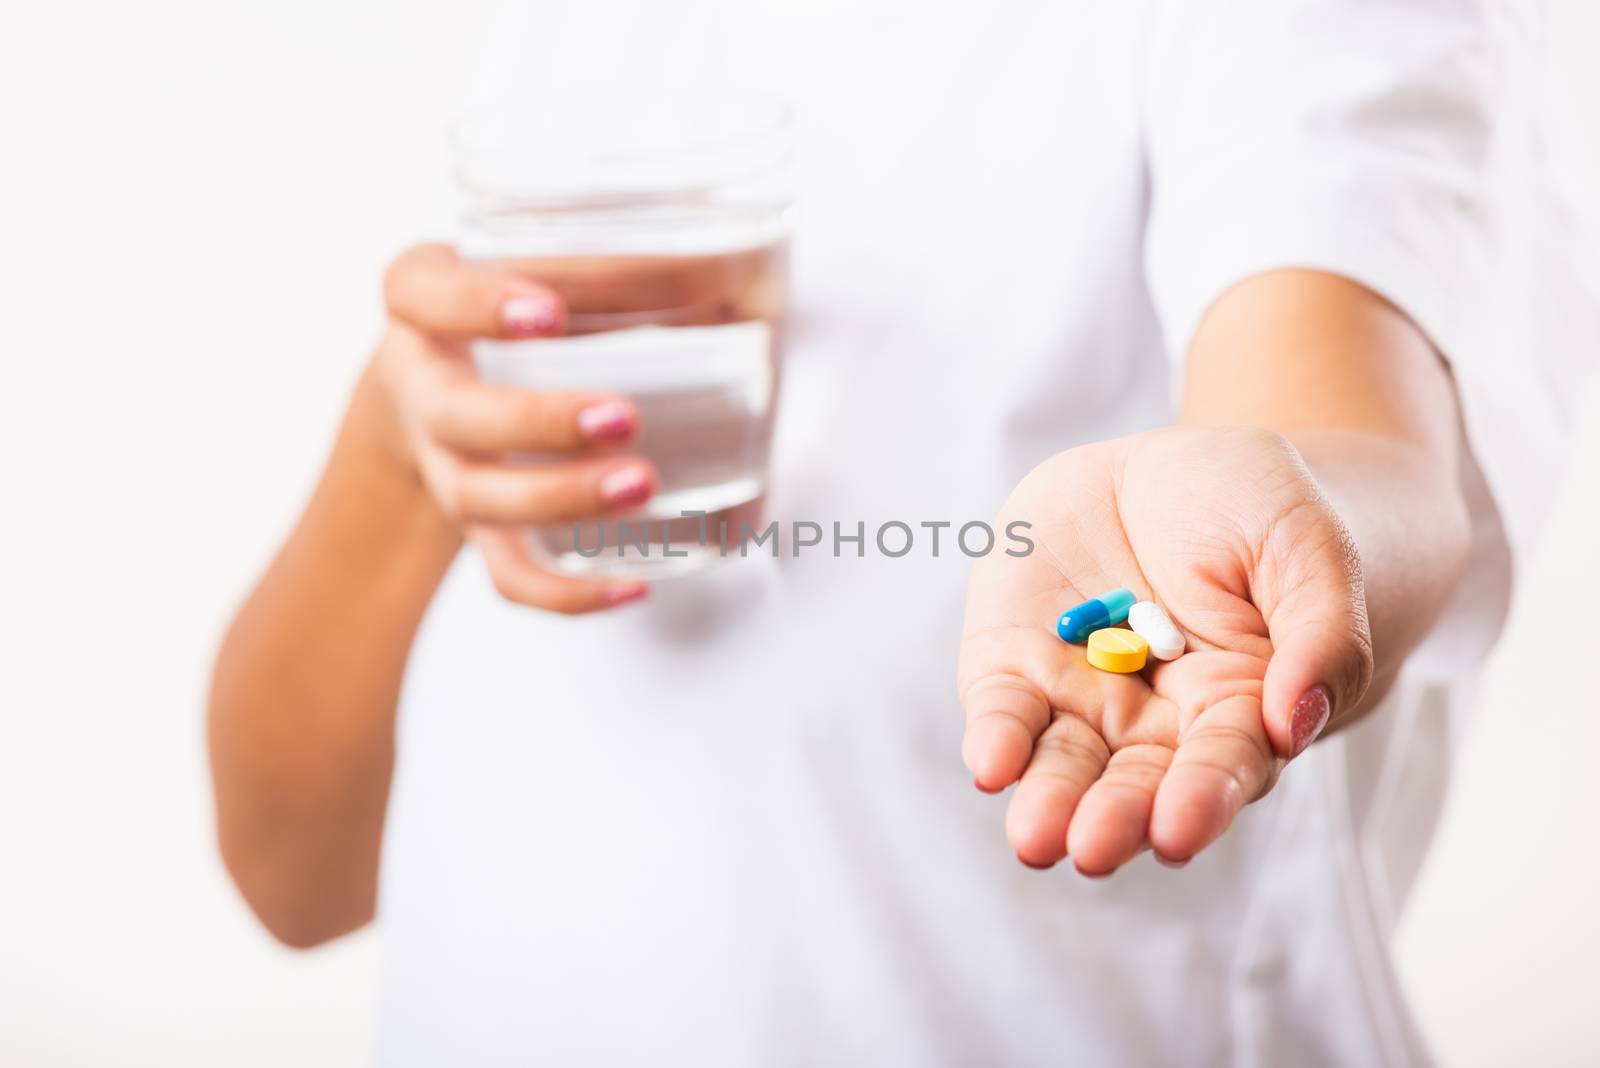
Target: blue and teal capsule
1106,610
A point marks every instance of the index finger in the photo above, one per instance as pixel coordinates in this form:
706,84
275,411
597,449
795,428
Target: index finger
432,289
1011,679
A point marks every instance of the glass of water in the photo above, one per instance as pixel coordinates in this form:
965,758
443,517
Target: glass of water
663,224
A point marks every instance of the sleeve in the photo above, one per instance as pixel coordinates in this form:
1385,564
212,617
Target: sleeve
1370,139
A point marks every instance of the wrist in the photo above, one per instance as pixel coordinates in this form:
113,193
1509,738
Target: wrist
374,431
1407,514
372,479
1363,473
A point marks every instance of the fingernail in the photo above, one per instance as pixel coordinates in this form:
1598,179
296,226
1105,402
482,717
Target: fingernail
615,595
984,788
1175,865
610,421
1095,874
1311,714
529,316
628,485
1026,863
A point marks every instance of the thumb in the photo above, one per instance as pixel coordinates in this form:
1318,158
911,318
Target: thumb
434,290
1315,608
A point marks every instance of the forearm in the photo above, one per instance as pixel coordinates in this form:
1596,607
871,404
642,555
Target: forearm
306,683
1362,395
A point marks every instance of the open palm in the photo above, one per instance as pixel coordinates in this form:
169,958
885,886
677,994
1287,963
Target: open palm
1227,530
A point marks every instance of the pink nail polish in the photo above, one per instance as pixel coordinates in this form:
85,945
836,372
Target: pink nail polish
615,595
629,485
1311,714
528,316
610,421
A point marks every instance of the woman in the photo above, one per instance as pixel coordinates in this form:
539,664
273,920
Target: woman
725,825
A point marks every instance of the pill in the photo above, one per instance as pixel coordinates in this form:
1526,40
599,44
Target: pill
1115,649
1153,625
1106,610
1117,603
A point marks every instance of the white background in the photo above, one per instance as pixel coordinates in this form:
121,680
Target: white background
196,200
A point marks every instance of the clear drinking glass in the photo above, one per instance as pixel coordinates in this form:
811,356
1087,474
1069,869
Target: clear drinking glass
663,224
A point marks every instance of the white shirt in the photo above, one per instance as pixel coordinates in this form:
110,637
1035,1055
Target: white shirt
731,826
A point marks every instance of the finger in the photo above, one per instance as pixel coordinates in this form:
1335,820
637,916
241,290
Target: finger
1112,820
473,492
471,416
1061,672
1005,713
1068,757
431,288
1223,763
519,579
1321,643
